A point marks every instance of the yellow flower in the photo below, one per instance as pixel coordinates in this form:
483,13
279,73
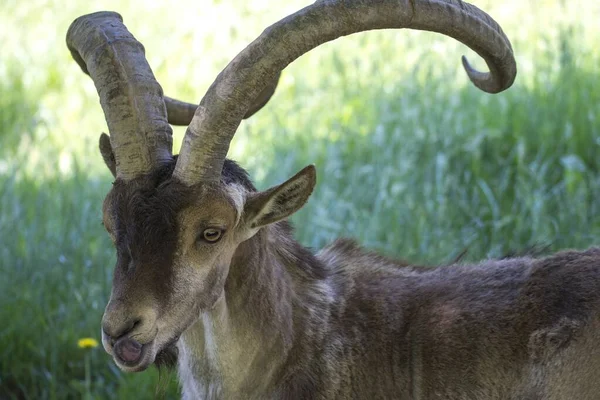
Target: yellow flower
87,343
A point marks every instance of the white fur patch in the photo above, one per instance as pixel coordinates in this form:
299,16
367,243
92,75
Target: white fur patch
238,194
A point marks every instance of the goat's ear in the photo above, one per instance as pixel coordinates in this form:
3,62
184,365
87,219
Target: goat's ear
107,154
281,201
263,97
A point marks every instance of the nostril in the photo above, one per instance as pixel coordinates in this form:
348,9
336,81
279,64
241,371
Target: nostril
135,324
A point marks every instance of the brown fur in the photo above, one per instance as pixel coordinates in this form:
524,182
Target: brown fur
346,323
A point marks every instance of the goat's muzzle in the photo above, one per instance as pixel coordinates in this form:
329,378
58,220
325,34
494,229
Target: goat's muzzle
131,341
128,353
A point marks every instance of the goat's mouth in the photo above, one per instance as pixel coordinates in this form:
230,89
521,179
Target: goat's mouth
132,356
129,354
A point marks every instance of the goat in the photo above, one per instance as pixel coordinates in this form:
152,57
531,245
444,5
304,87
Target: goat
208,265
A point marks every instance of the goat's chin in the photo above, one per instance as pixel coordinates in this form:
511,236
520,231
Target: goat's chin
139,367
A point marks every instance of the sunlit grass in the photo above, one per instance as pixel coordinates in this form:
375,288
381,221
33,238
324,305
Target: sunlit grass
412,160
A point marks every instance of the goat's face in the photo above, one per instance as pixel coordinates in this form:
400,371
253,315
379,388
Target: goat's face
174,248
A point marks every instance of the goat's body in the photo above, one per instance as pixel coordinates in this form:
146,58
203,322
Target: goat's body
511,329
521,328
204,262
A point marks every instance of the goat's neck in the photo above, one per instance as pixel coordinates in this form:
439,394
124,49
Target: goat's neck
242,344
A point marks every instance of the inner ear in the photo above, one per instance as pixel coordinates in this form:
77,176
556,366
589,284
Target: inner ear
107,154
281,201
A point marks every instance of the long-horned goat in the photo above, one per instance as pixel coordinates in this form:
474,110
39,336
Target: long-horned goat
207,264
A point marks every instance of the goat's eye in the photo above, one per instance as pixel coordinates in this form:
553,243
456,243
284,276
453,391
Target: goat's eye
212,235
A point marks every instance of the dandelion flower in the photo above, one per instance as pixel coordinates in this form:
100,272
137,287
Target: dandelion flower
87,343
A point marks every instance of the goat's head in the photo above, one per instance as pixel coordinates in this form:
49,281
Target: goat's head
176,222
174,247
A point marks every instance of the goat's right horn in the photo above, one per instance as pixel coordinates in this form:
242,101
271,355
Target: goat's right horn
221,110
132,99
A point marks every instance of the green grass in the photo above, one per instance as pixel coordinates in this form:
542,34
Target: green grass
412,160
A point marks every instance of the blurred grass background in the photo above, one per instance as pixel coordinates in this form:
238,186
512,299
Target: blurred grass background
413,161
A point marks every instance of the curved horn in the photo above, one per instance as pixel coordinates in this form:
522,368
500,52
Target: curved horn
132,100
221,110
182,113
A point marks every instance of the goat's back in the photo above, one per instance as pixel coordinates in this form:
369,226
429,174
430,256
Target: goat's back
520,328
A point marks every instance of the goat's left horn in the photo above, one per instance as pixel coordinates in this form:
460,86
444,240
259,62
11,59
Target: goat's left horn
132,99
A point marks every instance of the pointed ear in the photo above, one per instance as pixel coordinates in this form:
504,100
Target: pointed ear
281,201
107,154
263,97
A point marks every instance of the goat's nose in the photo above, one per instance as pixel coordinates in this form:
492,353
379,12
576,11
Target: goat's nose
117,329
